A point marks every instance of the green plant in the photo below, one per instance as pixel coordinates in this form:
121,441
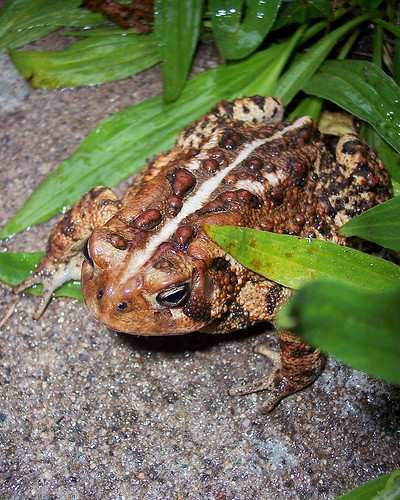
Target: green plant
261,58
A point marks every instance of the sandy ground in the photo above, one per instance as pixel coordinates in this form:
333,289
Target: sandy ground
90,413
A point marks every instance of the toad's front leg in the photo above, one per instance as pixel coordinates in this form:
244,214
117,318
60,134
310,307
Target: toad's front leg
63,260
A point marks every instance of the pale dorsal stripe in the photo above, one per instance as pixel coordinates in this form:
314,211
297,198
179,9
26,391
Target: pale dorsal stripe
199,197
255,187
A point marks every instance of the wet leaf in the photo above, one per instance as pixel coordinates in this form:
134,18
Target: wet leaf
380,224
93,60
176,26
363,89
292,261
301,11
239,26
359,327
23,21
15,267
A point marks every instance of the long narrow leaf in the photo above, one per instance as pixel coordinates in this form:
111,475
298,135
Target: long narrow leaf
236,37
176,25
291,261
102,31
119,146
264,83
306,65
359,327
395,30
380,224
309,106
15,10
90,61
23,21
396,54
364,90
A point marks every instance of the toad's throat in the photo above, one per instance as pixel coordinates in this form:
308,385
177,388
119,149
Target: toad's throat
198,198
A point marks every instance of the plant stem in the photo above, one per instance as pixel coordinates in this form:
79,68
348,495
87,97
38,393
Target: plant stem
348,45
377,45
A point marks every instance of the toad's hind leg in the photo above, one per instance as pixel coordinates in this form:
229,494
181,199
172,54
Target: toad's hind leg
63,260
296,366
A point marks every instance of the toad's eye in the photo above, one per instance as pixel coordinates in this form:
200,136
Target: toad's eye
174,296
86,254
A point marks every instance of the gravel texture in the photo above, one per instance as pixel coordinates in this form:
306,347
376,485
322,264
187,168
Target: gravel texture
90,413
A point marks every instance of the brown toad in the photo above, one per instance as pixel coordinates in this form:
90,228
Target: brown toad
149,267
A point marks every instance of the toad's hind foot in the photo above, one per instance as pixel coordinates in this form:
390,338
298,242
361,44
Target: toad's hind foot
295,367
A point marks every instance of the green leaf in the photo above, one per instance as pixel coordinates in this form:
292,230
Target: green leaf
15,267
396,188
395,30
386,487
396,54
370,5
359,327
305,66
363,89
23,21
88,32
176,26
300,11
239,26
380,224
309,106
120,145
264,83
291,261
94,60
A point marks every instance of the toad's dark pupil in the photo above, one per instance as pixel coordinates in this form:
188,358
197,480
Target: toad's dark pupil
174,296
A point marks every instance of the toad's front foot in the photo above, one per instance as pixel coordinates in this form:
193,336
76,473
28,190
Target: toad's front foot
51,274
63,260
295,367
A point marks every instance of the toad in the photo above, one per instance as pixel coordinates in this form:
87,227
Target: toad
146,265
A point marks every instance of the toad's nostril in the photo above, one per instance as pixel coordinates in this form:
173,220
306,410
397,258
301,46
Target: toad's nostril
118,241
122,306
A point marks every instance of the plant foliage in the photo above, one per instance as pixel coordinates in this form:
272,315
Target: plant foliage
386,487
275,47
